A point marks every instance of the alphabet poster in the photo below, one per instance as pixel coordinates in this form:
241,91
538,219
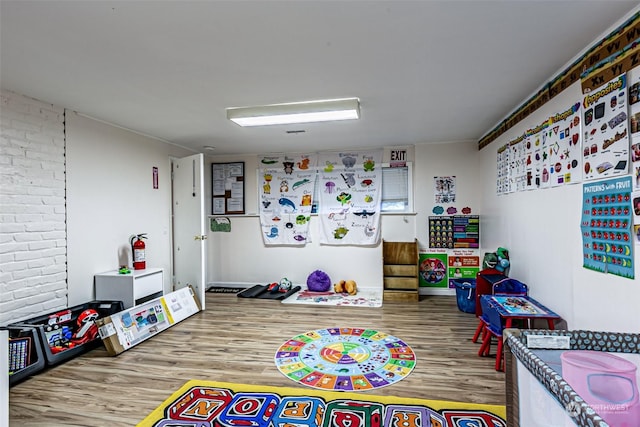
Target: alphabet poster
607,232
286,193
350,196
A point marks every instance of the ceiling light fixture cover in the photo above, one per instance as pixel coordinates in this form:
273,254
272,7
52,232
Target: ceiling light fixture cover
296,112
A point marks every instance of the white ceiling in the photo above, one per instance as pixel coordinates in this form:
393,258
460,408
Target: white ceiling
425,71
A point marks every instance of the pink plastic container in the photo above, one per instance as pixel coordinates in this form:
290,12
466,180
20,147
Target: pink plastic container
606,382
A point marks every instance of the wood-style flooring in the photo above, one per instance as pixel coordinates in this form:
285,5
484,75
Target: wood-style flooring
235,340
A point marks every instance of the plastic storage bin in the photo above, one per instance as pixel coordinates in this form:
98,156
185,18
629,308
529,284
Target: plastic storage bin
465,294
25,353
606,382
67,333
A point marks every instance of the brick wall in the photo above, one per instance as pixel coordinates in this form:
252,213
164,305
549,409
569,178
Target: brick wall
33,244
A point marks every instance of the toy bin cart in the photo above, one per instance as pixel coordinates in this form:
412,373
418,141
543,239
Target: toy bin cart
67,333
465,294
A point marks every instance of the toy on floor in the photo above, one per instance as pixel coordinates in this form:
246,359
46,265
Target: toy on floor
284,285
348,286
318,281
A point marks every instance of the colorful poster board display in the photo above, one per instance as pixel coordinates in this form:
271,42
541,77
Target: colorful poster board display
466,231
606,226
606,133
441,232
463,265
433,270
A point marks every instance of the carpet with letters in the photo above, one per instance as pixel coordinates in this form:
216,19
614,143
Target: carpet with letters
201,403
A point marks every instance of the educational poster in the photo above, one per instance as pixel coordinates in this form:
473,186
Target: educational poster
635,197
463,264
444,189
286,191
562,156
607,231
466,231
606,136
350,195
502,178
634,124
533,158
518,164
440,232
433,270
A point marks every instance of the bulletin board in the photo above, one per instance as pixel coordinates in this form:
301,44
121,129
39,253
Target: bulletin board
227,188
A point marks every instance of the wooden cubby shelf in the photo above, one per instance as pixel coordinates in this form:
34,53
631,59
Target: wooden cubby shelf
400,270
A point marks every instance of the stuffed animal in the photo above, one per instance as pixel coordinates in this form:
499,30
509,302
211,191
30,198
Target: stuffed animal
348,286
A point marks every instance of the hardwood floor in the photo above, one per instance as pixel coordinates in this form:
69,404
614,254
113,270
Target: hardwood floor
235,340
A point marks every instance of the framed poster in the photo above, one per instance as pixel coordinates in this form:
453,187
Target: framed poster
227,188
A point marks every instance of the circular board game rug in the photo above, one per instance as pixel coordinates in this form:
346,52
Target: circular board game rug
345,359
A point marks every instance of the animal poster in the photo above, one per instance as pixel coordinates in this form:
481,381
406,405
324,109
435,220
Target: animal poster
606,134
433,270
607,232
561,148
634,124
444,189
286,192
350,190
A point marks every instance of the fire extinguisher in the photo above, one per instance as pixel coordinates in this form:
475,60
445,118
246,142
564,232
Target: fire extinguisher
137,249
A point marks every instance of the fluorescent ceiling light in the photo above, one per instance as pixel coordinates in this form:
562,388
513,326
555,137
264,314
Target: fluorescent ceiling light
296,112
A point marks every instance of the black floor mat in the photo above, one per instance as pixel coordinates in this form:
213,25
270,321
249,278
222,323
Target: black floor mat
261,291
224,290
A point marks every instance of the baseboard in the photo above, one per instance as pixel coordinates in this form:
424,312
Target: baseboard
437,291
251,284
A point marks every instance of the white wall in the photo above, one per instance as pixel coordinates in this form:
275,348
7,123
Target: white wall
110,196
241,257
541,228
32,209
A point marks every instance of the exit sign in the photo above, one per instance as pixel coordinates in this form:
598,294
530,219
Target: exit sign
398,158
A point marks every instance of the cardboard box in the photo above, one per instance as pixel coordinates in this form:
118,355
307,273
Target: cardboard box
130,327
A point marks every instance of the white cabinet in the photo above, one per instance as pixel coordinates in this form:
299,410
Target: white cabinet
132,289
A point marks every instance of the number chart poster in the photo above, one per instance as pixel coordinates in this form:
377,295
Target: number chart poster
607,233
606,135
